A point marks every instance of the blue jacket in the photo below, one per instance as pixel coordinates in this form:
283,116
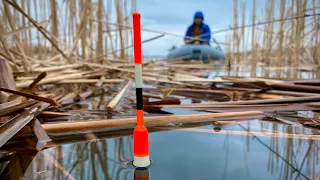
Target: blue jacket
205,30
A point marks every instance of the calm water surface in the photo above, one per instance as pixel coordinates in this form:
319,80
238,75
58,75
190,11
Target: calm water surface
192,153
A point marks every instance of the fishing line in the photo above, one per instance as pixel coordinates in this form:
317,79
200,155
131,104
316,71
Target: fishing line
276,153
260,23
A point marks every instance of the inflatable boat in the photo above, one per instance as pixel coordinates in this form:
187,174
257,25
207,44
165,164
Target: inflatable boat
202,52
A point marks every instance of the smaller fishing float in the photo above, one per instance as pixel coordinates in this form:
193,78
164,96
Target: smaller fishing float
140,134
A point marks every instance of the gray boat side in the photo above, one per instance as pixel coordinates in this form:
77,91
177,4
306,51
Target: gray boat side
197,52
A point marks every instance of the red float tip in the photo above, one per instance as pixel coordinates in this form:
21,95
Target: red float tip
136,15
137,38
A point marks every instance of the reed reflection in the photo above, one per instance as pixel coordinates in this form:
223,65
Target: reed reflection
106,157
289,158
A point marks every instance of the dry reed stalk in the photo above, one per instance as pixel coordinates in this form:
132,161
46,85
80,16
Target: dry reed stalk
6,57
269,36
71,19
63,43
74,46
119,21
253,51
115,101
297,36
228,51
84,6
21,55
90,31
54,24
6,79
65,33
111,40
280,101
31,51
291,40
58,68
280,45
24,34
5,46
51,79
17,7
9,129
88,81
40,133
316,19
243,38
127,20
100,35
10,104
100,124
235,32
303,22
13,26
44,48
30,96
38,34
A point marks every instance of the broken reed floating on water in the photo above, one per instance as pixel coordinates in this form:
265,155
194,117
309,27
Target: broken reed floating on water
118,123
249,102
12,126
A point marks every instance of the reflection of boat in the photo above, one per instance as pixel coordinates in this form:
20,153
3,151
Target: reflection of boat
197,52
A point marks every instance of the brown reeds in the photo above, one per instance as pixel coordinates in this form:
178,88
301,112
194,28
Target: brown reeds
287,36
57,32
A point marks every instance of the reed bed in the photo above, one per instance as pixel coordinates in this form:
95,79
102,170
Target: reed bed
291,42
48,32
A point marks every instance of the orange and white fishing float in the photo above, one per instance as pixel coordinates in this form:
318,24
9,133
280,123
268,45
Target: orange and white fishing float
140,133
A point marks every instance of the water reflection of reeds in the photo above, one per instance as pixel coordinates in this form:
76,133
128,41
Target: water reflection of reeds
106,158
289,157
102,159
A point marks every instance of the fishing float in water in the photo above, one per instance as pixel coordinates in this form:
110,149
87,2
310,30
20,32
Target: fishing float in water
140,134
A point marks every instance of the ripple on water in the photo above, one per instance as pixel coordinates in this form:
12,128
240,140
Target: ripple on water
129,164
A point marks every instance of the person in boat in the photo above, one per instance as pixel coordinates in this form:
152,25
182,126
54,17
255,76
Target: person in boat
198,28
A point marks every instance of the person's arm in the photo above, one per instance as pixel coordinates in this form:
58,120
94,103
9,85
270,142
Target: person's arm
207,33
188,33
